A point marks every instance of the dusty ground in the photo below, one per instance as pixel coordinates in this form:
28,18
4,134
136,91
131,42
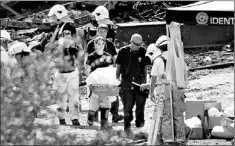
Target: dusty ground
208,84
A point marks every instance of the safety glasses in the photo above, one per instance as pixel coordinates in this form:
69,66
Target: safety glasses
136,44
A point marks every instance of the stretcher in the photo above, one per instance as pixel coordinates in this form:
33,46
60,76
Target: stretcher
99,89
105,90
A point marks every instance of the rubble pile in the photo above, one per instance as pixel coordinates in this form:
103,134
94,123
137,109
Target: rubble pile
198,57
43,18
142,11
123,12
120,11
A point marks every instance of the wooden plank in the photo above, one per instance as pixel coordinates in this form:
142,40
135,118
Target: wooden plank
78,22
213,66
23,25
172,115
155,125
27,31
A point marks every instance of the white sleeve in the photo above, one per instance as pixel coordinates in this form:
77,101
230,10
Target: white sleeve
158,67
161,67
154,69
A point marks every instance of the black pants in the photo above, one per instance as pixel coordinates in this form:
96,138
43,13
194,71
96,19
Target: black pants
114,109
129,99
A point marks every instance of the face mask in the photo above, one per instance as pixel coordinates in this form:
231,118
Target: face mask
65,42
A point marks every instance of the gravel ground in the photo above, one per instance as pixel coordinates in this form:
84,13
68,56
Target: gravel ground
208,84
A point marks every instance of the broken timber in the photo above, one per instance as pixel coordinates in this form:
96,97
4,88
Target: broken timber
213,66
22,25
155,126
46,26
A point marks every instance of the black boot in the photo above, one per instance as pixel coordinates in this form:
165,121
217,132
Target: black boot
62,122
75,122
139,124
127,127
114,111
90,118
117,118
104,118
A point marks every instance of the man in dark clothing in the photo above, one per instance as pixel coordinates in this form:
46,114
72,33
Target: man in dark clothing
132,66
102,30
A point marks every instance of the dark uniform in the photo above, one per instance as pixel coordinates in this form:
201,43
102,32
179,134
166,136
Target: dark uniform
97,61
67,79
132,70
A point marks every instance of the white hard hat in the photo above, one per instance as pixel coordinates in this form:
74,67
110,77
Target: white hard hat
6,35
100,13
152,51
60,12
162,40
18,48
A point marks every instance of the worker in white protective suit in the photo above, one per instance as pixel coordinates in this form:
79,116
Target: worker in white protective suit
67,76
159,55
